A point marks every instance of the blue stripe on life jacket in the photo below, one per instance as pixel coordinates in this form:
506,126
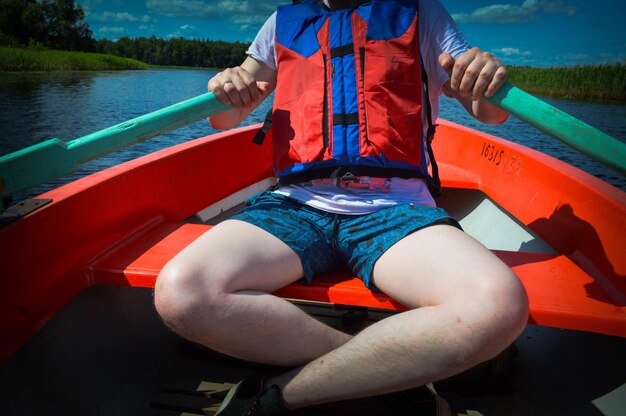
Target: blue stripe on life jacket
389,19
344,90
304,40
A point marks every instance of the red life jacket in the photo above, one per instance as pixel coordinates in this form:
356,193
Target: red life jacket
349,92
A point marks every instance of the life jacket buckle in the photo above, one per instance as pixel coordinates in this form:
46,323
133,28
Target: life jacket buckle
349,177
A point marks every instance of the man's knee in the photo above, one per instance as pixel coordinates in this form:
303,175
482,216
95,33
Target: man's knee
498,311
181,294
512,300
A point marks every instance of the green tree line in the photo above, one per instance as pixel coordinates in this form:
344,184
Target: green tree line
176,51
59,24
53,24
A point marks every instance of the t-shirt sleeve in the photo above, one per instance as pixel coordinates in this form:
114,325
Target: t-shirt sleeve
263,48
438,33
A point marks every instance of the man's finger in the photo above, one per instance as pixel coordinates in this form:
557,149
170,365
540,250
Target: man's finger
241,89
250,85
215,86
446,60
469,76
498,81
483,80
232,91
459,69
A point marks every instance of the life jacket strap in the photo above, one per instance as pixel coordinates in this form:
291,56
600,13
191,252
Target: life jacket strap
349,171
267,124
338,119
340,51
345,119
434,183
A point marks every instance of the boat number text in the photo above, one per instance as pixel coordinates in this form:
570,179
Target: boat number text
508,162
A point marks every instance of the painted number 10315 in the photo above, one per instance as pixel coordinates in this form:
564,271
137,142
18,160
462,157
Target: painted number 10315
508,162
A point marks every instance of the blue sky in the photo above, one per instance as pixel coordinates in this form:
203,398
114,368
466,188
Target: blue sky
520,32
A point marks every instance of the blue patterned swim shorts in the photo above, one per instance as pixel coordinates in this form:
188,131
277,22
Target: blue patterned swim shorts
326,240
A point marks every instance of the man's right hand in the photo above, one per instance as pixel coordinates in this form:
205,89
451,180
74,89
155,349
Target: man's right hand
244,87
238,87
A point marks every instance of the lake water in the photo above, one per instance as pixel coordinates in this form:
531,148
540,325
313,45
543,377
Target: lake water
36,107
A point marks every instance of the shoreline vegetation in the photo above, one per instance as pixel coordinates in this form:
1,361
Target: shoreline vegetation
179,52
29,59
603,83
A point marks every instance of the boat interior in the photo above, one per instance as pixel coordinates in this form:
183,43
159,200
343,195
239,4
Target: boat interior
108,353
83,336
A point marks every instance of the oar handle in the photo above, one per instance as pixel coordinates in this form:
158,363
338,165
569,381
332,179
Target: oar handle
562,126
55,158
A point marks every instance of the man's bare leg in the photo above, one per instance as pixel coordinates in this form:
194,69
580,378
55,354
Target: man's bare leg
470,304
471,307
216,292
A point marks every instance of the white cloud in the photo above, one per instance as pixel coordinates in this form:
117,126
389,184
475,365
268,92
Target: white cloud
112,30
185,31
248,20
237,11
106,17
508,13
612,57
511,52
574,58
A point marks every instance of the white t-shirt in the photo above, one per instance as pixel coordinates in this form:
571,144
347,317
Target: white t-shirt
438,33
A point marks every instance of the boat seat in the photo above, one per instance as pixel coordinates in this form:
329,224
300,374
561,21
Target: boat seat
561,294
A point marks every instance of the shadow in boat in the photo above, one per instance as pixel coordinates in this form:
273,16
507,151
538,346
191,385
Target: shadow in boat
579,240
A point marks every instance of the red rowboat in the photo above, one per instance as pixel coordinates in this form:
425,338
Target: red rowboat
561,230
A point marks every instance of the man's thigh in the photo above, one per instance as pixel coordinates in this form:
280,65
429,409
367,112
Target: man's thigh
306,230
235,256
437,264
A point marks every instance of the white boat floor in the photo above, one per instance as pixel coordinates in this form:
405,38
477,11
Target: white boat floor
108,353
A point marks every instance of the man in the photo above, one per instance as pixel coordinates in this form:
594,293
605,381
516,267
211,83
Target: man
352,121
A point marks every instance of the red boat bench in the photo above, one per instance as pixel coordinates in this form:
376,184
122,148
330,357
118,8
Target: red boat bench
561,294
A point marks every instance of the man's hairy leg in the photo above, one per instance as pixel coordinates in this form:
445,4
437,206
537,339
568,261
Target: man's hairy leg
216,293
470,307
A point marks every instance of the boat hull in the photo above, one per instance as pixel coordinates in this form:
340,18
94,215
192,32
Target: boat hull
142,208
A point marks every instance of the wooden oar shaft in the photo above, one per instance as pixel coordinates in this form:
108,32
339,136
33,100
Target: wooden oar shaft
562,126
55,158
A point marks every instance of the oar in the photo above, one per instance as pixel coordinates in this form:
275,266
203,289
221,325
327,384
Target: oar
562,126
55,158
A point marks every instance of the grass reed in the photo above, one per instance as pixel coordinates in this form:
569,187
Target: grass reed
23,59
586,83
